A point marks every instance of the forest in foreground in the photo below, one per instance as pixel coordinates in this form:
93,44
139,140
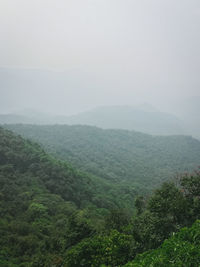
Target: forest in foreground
52,214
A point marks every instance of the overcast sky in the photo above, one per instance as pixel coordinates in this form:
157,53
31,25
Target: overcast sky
108,52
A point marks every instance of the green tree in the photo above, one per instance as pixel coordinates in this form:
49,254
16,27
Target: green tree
112,250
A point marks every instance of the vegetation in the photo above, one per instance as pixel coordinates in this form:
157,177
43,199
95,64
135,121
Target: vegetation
180,250
45,205
54,215
123,157
169,210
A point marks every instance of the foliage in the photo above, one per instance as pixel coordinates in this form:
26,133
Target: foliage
112,250
124,157
180,250
45,205
54,215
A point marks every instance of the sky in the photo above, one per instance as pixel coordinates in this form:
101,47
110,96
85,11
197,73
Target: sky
66,56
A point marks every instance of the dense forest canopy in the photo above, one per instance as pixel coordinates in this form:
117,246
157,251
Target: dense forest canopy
54,215
40,193
119,156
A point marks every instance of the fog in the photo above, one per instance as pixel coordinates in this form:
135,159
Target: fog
65,57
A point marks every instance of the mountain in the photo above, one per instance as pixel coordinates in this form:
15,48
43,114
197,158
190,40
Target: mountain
57,176
23,157
118,156
58,91
142,119
46,206
53,215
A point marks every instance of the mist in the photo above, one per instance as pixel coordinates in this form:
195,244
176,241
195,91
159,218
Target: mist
65,57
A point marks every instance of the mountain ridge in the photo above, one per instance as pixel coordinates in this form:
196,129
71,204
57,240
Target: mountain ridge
138,118
117,155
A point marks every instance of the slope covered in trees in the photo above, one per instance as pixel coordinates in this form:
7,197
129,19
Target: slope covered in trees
118,155
168,210
21,156
53,215
45,205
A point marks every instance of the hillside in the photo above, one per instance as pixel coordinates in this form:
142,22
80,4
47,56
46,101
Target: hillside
53,215
59,177
169,210
45,205
140,119
143,118
117,155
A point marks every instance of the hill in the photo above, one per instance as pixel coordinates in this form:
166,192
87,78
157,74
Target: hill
123,156
46,206
142,119
169,210
54,215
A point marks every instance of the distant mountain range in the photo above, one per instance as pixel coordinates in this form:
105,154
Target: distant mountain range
34,88
142,118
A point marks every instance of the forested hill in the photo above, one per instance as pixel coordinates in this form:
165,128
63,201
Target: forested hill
46,206
53,215
34,168
117,155
20,156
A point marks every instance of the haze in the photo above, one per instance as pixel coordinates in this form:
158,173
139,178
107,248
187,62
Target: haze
64,57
